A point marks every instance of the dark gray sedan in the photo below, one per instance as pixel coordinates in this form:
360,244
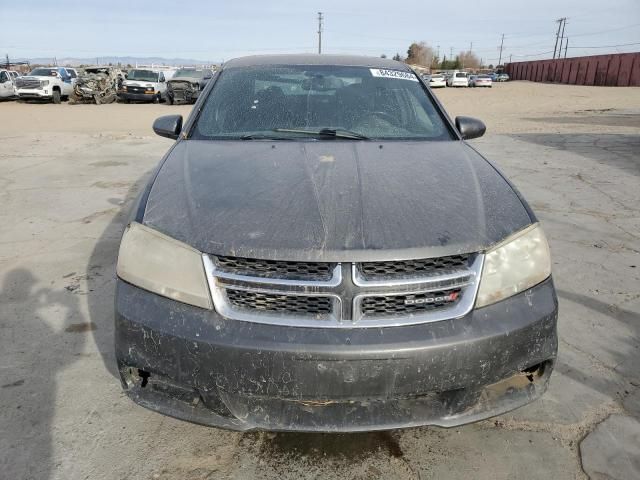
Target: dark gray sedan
321,250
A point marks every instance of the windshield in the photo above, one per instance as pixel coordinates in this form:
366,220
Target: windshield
461,75
369,102
44,72
143,75
189,73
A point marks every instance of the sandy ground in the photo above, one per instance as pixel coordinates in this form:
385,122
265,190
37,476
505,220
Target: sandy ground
67,177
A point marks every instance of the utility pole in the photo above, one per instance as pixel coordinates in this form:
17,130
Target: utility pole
450,53
566,45
319,33
438,52
501,47
510,55
560,24
564,23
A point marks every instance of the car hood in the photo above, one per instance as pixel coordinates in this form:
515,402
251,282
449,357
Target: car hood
185,79
332,200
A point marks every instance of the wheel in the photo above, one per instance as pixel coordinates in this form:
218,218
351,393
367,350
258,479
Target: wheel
156,99
55,96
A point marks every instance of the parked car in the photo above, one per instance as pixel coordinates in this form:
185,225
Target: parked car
96,85
494,77
45,83
458,79
142,85
437,81
14,75
186,84
480,81
503,77
7,85
321,250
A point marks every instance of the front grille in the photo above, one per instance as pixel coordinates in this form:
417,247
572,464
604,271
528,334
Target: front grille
290,304
27,83
337,295
394,305
315,271
134,89
426,267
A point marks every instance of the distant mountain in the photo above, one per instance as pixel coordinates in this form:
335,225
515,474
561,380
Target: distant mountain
75,61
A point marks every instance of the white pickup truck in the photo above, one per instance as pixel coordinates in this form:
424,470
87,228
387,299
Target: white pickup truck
47,83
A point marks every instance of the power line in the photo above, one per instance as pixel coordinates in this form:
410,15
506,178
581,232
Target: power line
612,46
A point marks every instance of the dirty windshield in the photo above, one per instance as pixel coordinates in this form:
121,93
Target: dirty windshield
143,75
294,101
189,73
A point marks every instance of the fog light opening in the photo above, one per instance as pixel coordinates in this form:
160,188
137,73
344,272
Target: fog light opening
535,371
145,378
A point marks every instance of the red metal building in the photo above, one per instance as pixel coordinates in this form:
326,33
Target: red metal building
614,70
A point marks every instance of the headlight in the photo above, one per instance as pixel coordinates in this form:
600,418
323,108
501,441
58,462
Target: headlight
163,265
44,83
520,262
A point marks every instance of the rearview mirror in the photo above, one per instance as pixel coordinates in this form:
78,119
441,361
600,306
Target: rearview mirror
168,126
470,127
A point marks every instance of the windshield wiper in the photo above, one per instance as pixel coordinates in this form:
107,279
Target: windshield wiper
326,133
260,136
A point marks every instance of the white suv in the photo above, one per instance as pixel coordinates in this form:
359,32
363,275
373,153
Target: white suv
458,79
47,83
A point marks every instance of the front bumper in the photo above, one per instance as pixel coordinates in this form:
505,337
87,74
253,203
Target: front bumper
137,97
34,93
192,364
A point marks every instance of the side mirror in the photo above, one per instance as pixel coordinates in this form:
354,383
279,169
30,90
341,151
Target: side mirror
470,127
168,126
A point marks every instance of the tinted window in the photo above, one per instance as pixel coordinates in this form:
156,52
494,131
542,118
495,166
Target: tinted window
4,77
44,72
143,75
382,104
461,75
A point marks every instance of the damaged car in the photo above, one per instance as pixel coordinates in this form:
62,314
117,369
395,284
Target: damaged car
321,249
186,85
96,85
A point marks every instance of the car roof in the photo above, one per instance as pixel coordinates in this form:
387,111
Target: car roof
315,59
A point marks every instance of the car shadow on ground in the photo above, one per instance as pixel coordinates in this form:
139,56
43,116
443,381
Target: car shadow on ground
619,150
38,324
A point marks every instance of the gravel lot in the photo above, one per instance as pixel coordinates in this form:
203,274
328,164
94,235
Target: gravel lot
67,176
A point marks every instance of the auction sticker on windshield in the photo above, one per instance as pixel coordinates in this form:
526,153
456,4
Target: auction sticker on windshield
383,72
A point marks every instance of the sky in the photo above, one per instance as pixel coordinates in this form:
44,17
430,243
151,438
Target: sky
220,30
